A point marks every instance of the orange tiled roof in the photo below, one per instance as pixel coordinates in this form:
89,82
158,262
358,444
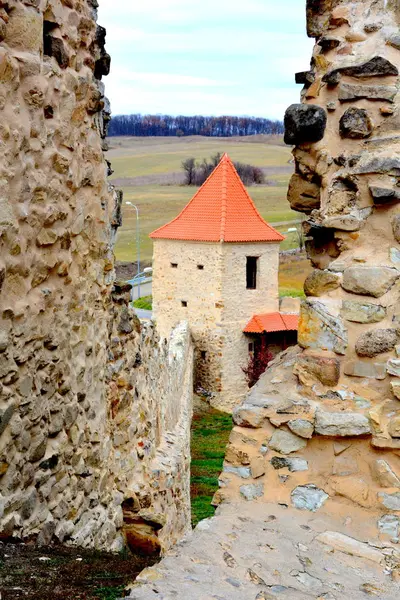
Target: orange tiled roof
271,322
221,211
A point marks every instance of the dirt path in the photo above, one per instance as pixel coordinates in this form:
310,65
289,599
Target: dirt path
64,573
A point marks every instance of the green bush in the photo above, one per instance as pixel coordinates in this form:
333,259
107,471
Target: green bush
145,303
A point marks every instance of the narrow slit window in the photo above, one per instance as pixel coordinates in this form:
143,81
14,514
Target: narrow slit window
174,265
200,267
203,354
251,272
251,347
184,303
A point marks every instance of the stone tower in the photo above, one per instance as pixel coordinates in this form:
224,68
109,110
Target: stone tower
216,265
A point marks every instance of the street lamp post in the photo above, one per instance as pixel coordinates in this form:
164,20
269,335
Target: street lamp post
137,242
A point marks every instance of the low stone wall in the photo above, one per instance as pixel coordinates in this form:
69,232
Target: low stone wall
94,411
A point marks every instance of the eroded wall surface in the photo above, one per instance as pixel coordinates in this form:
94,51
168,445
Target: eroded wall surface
94,410
323,424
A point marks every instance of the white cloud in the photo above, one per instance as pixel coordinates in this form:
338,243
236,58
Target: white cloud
209,57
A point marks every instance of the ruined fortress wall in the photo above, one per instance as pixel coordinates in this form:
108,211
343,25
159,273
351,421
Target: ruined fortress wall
322,427
94,412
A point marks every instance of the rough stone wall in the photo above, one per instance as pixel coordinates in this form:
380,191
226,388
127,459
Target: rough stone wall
94,413
323,424
218,306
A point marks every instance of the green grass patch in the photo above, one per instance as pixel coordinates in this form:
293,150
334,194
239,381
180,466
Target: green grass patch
291,292
109,593
210,435
145,303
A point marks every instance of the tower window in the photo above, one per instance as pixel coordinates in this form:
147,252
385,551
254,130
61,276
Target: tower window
251,272
203,355
251,347
174,265
200,267
184,303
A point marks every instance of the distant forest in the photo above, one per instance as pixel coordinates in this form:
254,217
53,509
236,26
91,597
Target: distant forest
166,125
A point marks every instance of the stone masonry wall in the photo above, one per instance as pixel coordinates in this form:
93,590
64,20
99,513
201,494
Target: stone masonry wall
323,424
94,412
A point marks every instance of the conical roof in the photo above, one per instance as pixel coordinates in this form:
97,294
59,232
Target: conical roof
221,211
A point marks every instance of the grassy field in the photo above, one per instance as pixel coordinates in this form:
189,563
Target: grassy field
148,170
210,434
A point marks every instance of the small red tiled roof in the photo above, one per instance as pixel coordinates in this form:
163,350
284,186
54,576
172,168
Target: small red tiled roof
271,322
221,211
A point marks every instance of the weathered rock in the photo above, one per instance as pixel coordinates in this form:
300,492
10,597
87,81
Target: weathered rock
357,368
341,424
286,442
376,342
308,497
396,227
246,415
385,475
394,427
383,194
301,427
257,467
321,330
5,416
393,367
376,163
362,312
395,385
293,464
355,124
369,281
389,525
390,501
310,369
304,196
351,91
304,123
4,340
252,491
243,472
328,43
394,255
344,543
318,283
394,40
375,67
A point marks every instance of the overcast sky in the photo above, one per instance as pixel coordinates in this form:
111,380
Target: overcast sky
209,57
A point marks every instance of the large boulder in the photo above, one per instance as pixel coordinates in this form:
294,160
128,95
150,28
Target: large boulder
318,329
320,282
377,342
362,312
341,424
308,497
304,196
286,442
369,281
355,124
304,123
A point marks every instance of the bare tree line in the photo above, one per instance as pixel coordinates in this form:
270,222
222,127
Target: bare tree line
197,172
170,126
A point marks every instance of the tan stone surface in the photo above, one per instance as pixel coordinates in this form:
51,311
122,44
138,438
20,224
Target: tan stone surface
94,410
